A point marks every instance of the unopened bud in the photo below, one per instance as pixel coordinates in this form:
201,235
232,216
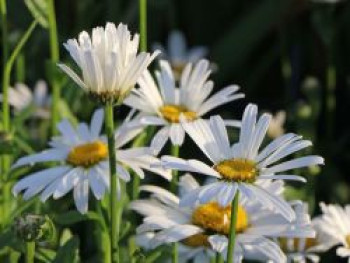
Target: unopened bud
31,227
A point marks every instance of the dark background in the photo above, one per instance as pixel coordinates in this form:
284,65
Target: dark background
268,47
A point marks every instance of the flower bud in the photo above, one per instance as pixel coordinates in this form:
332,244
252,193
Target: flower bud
32,227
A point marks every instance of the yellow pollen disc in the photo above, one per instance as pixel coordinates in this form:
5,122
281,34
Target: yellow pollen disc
178,67
309,242
238,170
347,239
214,218
197,240
88,154
172,113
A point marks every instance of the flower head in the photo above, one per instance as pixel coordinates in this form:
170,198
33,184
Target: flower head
239,167
31,227
21,97
333,227
109,62
305,249
178,54
203,228
84,162
165,104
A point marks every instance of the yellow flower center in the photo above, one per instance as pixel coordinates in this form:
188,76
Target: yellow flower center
214,219
88,154
238,170
309,242
197,240
347,239
178,67
172,113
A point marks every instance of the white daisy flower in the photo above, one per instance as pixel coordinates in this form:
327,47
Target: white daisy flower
240,166
84,163
303,250
178,54
186,253
108,60
165,105
277,122
203,229
334,226
21,97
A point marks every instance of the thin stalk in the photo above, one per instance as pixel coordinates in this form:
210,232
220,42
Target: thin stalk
20,68
139,141
5,103
175,254
104,241
143,24
219,258
54,51
7,74
232,236
30,251
175,151
132,249
3,13
6,160
114,184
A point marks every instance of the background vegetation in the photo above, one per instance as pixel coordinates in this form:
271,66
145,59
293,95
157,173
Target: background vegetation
290,55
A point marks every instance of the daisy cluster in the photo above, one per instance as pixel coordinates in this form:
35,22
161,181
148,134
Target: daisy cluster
242,178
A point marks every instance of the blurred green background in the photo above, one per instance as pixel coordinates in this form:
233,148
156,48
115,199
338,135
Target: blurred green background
290,55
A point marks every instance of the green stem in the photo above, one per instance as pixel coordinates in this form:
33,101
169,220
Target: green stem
139,141
6,160
54,50
114,184
20,68
232,236
3,12
103,235
219,258
30,251
175,151
175,254
143,24
7,74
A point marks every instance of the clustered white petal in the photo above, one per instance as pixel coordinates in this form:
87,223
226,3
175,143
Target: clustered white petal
59,180
211,137
108,61
163,102
165,221
21,97
176,99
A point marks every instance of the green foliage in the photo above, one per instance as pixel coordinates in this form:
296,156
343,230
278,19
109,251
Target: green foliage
39,10
69,252
73,217
271,48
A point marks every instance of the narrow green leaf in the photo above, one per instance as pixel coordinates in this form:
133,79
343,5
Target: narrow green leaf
39,10
69,252
73,217
45,255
